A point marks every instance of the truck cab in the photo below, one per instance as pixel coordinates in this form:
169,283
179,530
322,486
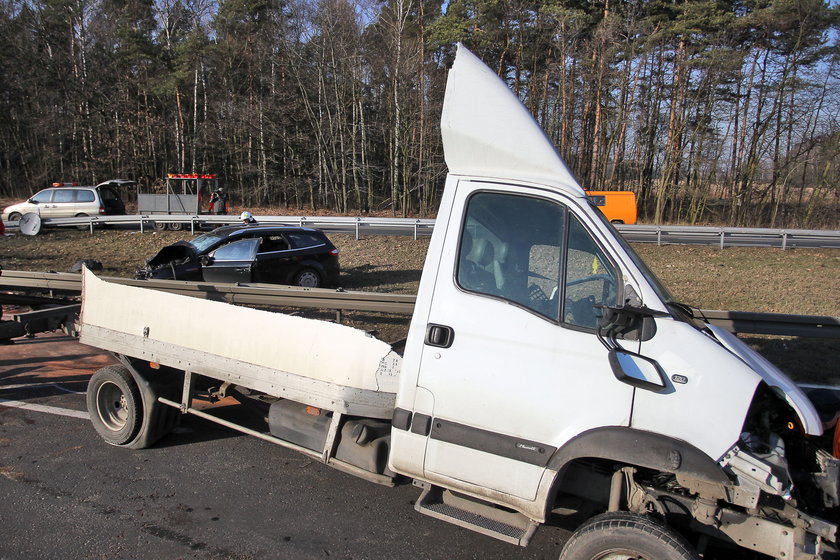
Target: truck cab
541,343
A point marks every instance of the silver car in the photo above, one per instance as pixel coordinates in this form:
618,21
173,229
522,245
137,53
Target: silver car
67,201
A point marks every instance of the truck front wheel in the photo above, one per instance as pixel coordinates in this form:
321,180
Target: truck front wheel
621,535
114,405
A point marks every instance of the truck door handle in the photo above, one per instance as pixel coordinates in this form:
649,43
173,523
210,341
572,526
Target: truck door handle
439,335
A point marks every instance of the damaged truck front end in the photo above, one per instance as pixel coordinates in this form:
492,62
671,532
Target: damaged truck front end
785,497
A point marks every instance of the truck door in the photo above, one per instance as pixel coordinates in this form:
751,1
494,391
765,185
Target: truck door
511,358
233,262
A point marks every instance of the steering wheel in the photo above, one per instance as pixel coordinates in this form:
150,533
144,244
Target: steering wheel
608,279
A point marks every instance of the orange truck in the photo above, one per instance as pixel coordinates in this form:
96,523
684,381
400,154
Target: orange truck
618,206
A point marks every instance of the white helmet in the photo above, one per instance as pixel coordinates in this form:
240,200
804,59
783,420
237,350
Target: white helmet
245,216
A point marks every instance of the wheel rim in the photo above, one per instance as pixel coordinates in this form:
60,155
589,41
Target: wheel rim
112,406
309,279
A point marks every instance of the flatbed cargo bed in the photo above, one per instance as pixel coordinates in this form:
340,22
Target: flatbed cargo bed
323,364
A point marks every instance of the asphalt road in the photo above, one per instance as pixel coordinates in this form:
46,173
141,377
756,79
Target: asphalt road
202,492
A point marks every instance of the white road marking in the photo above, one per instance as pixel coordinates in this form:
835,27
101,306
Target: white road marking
41,385
48,409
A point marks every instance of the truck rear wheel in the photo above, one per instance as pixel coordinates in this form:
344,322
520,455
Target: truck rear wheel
114,405
623,535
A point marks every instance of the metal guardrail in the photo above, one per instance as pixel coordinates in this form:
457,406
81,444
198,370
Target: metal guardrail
638,233
338,224
730,236
292,296
245,294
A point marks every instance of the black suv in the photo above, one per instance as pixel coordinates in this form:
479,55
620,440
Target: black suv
249,253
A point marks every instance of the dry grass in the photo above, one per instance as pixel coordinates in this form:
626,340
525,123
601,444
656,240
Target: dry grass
800,281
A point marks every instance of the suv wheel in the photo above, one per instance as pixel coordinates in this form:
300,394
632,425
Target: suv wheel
307,278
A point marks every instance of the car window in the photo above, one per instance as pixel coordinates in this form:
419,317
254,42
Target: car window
591,279
43,196
64,195
304,239
243,250
273,243
85,196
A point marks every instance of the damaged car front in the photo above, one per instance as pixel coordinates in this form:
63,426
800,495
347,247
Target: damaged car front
179,261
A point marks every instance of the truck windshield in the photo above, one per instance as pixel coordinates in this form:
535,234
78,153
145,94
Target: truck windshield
203,242
654,281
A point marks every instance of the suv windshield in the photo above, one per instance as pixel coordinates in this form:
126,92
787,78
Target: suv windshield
203,242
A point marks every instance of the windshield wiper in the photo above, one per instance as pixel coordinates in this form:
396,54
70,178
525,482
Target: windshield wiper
688,313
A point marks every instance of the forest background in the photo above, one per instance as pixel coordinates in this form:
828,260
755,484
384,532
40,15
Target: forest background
712,111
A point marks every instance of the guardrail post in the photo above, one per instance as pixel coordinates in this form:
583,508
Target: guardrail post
192,224
90,223
358,220
722,235
784,240
416,224
658,236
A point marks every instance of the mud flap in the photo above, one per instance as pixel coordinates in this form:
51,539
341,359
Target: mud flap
158,419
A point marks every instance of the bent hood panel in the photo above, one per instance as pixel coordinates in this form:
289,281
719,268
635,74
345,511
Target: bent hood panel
177,252
487,132
771,375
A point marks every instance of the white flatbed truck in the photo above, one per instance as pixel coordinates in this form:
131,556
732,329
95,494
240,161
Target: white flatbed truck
546,373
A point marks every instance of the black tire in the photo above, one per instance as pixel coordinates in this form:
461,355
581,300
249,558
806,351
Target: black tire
308,278
14,217
84,227
621,535
114,405
176,226
159,226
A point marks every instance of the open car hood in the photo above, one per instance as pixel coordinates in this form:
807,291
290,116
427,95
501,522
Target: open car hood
179,251
487,132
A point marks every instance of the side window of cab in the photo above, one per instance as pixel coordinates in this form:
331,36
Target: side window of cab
590,278
510,248
534,253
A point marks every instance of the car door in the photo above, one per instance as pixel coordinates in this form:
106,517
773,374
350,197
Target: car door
63,204
233,262
274,258
43,203
511,359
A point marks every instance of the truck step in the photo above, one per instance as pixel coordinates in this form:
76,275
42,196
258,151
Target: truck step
482,517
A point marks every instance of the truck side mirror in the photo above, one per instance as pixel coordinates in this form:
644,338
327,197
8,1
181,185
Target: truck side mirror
637,370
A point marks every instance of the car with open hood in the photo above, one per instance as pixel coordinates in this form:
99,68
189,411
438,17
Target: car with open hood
295,256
